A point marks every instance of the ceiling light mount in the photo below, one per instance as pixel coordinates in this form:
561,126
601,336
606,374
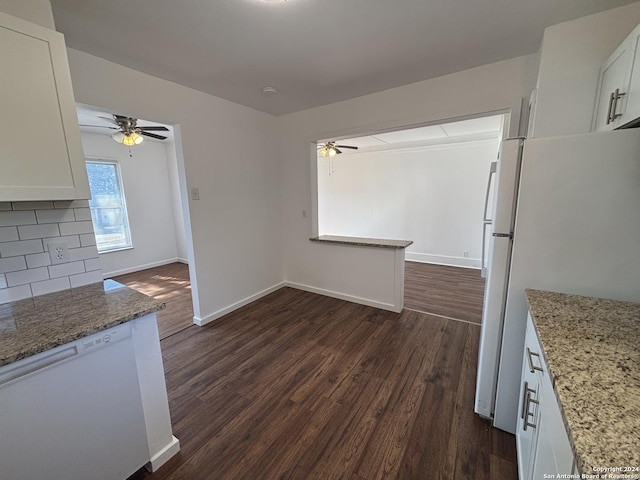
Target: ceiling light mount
269,91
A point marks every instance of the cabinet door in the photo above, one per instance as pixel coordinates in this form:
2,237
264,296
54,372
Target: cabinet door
40,147
632,111
613,90
526,433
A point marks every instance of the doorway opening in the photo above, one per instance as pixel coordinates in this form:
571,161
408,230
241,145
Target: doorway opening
139,209
427,184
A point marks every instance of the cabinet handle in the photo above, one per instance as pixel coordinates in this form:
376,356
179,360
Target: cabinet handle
616,96
527,413
532,367
610,108
525,392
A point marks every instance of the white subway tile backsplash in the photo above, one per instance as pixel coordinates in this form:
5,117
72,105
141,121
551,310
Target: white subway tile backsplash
50,286
10,219
66,269
29,232
24,277
71,203
87,239
22,247
14,294
92,264
12,264
76,228
55,216
9,234
83,253
31,205
26,229
82,214
72,241
36,260
85,278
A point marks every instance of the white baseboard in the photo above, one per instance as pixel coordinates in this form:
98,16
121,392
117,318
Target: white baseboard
141,267
464,262
183,260
342,296
163,455
215,315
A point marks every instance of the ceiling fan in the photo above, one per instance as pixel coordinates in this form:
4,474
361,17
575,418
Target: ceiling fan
129,132
330,149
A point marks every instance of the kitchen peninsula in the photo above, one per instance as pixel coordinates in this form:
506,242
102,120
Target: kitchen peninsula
81,378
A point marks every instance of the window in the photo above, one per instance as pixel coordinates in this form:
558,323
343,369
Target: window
108,208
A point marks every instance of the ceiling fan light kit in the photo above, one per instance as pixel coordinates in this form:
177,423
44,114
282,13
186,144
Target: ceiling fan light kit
330,149
129,132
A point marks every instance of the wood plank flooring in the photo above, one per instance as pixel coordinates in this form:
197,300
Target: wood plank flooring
301,386
443,290
171,285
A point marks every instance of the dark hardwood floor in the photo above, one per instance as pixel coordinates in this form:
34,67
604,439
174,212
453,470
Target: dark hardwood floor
171,285
302,386
450,291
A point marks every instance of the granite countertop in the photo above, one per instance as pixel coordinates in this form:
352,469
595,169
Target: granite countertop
591,346
37,324
363,242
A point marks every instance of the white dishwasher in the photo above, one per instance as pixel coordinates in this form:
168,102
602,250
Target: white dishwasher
74,412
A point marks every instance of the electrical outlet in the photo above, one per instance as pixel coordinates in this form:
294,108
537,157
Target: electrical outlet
195,193
465,253
58,252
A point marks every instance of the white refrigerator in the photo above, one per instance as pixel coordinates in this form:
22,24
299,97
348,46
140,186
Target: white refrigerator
566,218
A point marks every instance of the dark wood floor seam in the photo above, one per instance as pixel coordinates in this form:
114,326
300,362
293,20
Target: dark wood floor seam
443,316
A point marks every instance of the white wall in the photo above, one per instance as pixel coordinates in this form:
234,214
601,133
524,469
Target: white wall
571,56
229,153
36,11
148,187
177,203
350,270
433,195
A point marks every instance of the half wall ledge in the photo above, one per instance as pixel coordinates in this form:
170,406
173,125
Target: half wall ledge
363,242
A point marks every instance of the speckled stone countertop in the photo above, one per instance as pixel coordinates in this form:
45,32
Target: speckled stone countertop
592,348
37,324
363,242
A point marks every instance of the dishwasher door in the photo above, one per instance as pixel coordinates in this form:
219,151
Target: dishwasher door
74,412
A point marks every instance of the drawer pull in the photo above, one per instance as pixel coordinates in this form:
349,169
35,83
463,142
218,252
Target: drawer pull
532,367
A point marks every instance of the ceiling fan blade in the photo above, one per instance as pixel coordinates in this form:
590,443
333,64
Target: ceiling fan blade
152,135
151,129
99,126
347,146
338,151
110,120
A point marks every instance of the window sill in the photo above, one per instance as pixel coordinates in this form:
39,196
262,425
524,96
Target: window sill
113,250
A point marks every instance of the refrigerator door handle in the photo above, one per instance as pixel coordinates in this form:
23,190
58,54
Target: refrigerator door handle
492,172
483,267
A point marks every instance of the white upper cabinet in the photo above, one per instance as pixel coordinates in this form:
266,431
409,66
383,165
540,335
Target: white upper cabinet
618,102
41,155
613,89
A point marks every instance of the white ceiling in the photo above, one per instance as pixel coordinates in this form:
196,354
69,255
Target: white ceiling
93,120
465,130
314,51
